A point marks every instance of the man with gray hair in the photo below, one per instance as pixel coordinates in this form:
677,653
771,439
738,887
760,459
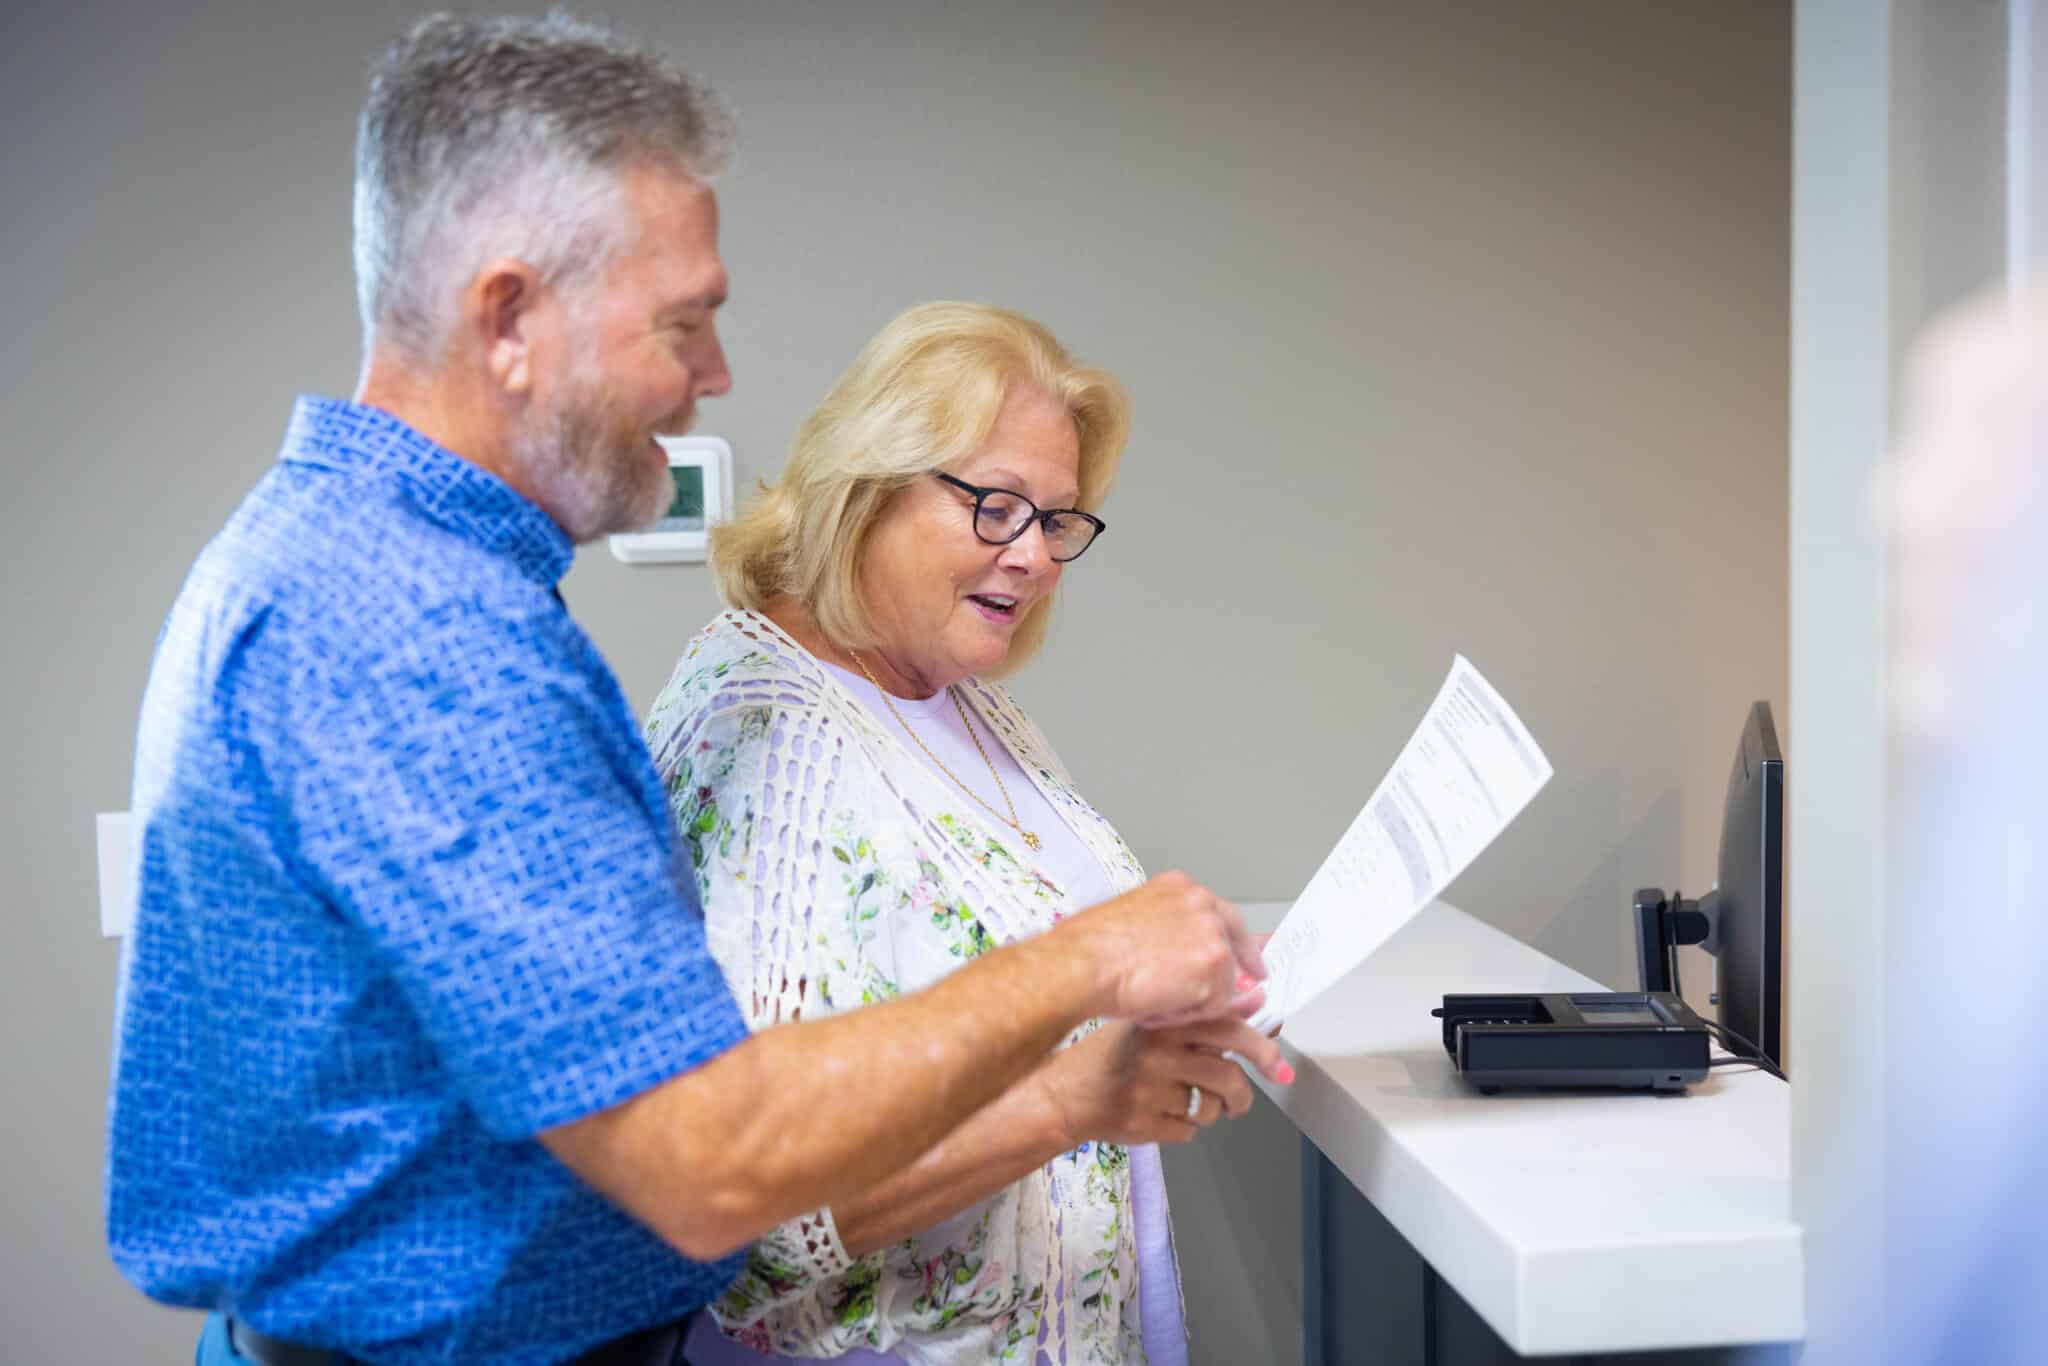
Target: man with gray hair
421,1055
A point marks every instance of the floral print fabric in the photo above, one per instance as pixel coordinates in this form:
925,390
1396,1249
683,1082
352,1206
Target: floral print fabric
838,870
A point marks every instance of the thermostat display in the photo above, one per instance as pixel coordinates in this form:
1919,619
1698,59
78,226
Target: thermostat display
700,473
686,505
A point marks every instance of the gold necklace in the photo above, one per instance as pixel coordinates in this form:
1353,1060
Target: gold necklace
1009,820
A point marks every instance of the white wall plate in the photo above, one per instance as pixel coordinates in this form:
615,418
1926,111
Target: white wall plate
117,873
700,468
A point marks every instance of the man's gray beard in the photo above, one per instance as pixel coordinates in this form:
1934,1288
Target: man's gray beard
584,478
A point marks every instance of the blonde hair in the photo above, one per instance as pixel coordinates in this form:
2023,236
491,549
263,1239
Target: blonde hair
923,394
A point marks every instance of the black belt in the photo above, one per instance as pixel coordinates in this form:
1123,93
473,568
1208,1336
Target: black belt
649,1347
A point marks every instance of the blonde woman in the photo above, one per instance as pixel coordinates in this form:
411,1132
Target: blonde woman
867,810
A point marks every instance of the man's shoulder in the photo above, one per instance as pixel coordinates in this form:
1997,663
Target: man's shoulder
315,573
360,555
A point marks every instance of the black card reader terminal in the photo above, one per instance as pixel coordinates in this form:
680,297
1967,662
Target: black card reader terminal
1630,1040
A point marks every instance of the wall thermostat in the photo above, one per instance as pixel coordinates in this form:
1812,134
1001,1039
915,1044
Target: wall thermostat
700,476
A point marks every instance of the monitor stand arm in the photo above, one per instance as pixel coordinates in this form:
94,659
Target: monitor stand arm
1662,924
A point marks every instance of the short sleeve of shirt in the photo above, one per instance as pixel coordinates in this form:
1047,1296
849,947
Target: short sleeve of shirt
476,800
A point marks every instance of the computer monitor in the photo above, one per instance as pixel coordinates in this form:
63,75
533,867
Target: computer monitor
1741,922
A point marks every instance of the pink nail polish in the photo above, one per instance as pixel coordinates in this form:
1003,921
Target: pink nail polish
1285,1075
1245,982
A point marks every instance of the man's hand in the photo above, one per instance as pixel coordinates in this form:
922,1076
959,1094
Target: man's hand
715,1156
1126,1084
1169,952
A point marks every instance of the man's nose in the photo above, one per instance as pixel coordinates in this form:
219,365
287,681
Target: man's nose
713,378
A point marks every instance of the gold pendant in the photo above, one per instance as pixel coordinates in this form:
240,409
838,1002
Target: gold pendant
1030,839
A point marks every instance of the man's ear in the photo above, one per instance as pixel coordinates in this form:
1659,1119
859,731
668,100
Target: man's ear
503,307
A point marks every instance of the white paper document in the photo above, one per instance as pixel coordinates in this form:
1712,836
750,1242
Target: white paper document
1468,769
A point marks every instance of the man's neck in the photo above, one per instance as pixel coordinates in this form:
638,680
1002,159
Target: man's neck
444,411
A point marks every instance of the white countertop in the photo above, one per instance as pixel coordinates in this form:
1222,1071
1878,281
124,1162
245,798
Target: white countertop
1573,1222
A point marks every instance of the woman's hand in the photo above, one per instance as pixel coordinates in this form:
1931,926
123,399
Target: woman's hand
1126,1084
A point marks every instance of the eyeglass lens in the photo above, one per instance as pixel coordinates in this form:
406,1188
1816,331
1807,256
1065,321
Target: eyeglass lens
1002,517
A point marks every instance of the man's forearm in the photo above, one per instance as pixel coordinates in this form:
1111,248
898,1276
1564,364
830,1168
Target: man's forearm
801,1115
1015,1134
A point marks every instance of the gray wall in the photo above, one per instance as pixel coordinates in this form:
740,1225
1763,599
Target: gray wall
1451,326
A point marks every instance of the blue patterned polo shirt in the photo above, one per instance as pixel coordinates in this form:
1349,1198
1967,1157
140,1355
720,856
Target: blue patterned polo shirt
408,894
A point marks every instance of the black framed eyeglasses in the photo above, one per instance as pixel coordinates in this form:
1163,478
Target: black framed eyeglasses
1001,516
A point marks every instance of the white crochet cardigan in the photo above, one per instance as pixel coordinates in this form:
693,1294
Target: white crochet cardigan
837,868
